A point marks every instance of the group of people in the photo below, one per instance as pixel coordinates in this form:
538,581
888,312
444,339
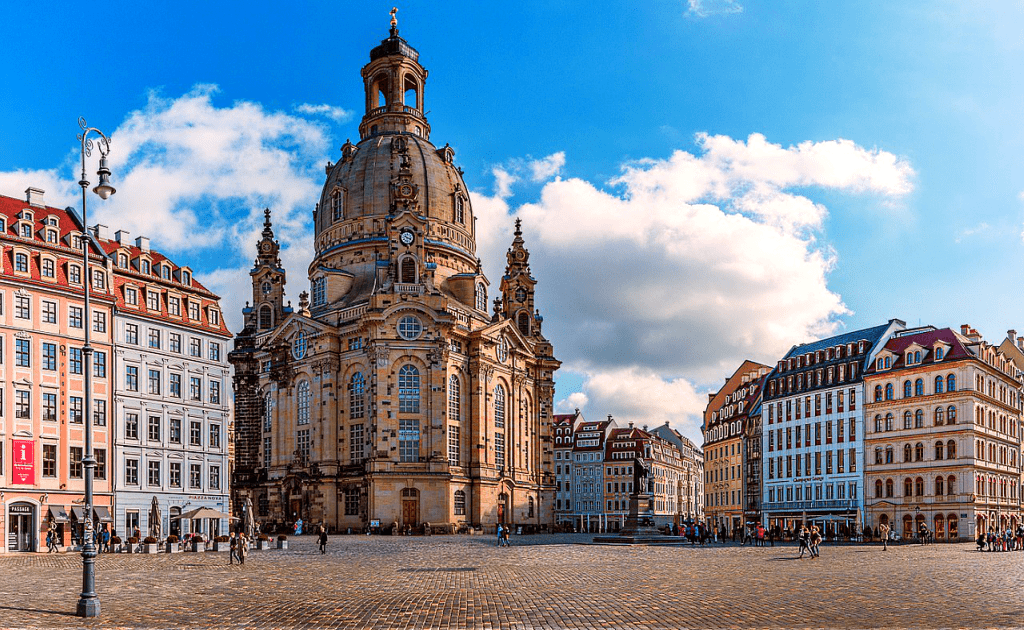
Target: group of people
809,541
1008,540
503,532
758,535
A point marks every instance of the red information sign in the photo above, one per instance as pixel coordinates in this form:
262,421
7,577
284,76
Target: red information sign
24,462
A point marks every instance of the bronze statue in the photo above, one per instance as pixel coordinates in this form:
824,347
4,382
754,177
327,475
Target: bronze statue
640,473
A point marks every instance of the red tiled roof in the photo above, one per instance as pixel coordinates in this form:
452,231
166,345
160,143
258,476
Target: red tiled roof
10,207
926,339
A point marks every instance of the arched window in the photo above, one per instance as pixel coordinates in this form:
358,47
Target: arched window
888,362
906,389
878,454
499,406
908,487
919,419
951,449
939,448
460,503
408,389
907,453
951,383
878,489
889,488
337,207
919,385
919,452
940,523
888,455
122,261
917,356
888,422
951,415
523,322
890,392
356,399
940,416
878,393
454,398
940,486
951,485
266,317
919,487
938,384
481,297
268,412
906,419
410,93
302,402
407,273
529,507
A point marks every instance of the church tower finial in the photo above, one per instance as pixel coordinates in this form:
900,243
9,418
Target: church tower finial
394,21
517,286
393,81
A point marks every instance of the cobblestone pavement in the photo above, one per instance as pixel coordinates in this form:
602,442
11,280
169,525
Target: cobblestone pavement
540,582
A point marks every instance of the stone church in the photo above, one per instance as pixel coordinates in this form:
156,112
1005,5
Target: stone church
392,394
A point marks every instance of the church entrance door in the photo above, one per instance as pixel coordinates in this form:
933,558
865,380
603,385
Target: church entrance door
410,506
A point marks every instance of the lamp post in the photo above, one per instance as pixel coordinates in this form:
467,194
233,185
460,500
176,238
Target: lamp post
89,601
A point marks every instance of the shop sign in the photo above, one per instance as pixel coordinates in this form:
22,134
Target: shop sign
21,509
23,466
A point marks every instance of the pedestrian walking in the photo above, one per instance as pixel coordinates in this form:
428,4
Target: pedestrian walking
323,540
233,546
883,532
504,537
804,539
815,541
500,532
243,547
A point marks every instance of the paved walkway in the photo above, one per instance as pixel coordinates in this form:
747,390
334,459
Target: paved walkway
540,582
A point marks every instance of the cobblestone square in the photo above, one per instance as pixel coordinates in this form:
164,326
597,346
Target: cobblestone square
540,582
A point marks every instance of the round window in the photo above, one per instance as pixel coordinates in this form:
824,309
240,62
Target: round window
409,328
299,346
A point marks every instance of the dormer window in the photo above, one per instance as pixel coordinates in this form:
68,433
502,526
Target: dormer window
76,242
131,296
21,262
49,268
938,353
51,236
3,225
481,297
337,206
165,272
98,280
122,261
214,317
193,310
26,230
460,210
186,278
888,362
174,305
153,300
144,266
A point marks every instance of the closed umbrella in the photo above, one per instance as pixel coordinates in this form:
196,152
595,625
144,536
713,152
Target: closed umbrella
155,524
203,512
250,520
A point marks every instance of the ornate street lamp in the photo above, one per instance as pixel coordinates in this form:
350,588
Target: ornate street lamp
89,601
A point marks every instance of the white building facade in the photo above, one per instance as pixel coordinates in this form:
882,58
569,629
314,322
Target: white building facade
813,432
171,398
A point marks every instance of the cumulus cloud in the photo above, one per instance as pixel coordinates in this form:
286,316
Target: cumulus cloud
680,268
705,8
545,168
337,114
195,177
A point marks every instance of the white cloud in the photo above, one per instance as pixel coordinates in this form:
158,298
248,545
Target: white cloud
641,396
688,265
195,177
981,228
705,8
503,181
547,167
337,114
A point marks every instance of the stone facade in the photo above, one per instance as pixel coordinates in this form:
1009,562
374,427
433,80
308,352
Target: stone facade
393,396
944,435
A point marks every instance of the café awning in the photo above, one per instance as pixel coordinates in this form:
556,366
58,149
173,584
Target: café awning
57,514
78,513
102,513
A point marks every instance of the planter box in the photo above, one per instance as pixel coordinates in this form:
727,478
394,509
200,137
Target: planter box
172,547
197,547
129,548
221,546
262,545
154,548
282,544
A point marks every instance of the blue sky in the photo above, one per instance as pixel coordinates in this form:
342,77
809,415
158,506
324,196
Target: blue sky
700,182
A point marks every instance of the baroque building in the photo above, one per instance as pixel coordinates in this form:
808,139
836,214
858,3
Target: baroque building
944,435
393,395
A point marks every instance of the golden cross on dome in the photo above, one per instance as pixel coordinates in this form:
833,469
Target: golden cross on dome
394,18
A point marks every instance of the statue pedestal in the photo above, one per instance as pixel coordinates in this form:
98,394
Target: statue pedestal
639,528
